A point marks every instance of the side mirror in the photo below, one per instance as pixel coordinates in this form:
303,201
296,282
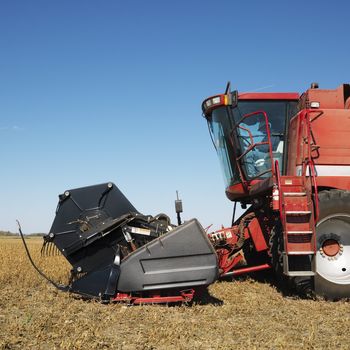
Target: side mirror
227,99
232,96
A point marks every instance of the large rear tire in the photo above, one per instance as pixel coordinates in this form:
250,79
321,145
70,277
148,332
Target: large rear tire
332,279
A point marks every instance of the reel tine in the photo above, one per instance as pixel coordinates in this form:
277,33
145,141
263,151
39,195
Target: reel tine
56,251
51,249
43,249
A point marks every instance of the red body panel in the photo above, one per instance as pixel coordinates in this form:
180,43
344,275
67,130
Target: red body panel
257,236
331,146
268,96
330,99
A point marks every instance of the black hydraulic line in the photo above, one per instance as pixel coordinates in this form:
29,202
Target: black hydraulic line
179,219
104,193
58,286
234,213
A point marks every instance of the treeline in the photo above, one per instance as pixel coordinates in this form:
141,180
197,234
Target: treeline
11,234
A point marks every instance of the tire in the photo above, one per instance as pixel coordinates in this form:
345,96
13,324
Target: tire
332,275
332,279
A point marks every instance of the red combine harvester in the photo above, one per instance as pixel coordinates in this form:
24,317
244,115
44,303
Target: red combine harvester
288,157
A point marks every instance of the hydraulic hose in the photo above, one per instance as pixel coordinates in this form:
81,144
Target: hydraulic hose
56,285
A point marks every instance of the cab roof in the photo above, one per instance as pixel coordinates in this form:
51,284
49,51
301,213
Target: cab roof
268,96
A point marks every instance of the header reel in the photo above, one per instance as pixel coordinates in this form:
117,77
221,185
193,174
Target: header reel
117,253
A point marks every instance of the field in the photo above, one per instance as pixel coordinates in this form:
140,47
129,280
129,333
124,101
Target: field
251,315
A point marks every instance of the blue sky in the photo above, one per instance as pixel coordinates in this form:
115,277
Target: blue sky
96,91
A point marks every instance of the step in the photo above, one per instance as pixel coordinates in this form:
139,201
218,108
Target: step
299,232
294,194
299,204
295,223
292,181
299,273
305,252
306,270
296,212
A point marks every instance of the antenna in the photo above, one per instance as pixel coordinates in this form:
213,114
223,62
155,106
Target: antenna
178,208
228,88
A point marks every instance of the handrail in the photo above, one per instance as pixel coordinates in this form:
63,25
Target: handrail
279,185
313,177
309,162
252,146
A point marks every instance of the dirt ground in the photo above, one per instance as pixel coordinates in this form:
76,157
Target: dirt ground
251,315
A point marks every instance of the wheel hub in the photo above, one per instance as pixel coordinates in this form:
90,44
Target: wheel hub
331,247
333,255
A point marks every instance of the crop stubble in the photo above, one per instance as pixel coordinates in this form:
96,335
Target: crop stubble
253,315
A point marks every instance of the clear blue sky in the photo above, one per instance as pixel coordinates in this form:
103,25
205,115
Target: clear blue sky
95,91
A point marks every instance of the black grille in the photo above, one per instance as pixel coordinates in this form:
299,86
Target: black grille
300,238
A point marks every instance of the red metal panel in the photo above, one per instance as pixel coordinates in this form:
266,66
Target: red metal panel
269,96
238,191
334,98
235,191
340,182
257,235
293,145
330,138
331,131
154,298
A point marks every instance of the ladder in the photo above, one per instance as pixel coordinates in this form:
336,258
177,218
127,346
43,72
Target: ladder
297,212
297,216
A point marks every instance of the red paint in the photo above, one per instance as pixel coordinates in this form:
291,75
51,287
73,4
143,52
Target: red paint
257,235
317,138
245,270
331,247
156,298
269,96
226,261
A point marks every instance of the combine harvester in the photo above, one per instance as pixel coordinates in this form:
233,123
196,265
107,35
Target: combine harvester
286,156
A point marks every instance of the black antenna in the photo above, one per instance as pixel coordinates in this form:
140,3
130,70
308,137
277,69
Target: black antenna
178,208
234,214
228,88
